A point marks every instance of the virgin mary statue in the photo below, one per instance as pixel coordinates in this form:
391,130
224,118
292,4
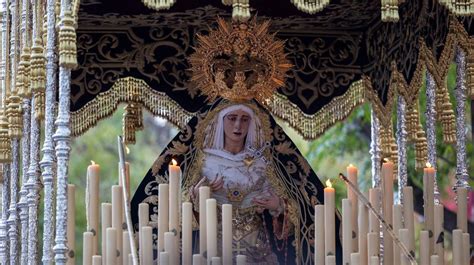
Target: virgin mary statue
247,160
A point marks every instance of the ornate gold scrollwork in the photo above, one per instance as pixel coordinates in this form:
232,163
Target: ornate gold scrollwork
239,62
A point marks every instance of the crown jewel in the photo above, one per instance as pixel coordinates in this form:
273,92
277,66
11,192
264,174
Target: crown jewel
239,61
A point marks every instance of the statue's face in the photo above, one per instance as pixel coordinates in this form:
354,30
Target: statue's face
236,126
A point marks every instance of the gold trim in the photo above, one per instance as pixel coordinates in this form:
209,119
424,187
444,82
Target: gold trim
314,125
128,89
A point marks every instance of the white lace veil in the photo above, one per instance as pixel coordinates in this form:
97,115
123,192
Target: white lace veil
215,130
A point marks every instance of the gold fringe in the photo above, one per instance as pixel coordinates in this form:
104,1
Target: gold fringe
128,89
67,42
312,126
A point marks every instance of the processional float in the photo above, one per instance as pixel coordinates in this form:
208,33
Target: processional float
68,64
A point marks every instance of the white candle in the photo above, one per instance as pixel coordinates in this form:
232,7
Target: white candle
117,219
466,248
92,203
241,260
111,252
435,260
374,197
204,194
87,248
163,204
373,244
96,260
330,260
404,236
147,240
462,209
106,223
319,254
197,259
374,260
164,258
352,172
355,259
329,220
171,247
227,234
457,247
216,261
363,230
387,202
71,223
187,231
408,216
428,202
126,247
174,194
397,225
211,219
346,231
438,232
424,248
143,219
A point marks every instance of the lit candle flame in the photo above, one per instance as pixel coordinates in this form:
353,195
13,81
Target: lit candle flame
174,162
385,160
350,165
428,164
92,162
328,183
127,150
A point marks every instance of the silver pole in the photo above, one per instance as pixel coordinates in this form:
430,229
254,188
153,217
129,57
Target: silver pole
375,148
462,175
49,158
34,181
401,144
62,139
431,127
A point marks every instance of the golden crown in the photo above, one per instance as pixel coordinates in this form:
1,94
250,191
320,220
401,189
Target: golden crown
239,61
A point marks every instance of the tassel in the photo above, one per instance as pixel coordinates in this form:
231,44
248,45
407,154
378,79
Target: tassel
393,151
14,115
389,9
67,42
132,122
412,122
421,148
5,140
23,74
38,78
448,119
470,76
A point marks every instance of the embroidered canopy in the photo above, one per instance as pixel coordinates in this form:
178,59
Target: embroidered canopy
340,55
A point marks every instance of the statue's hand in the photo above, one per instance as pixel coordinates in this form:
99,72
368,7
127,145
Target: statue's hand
217,183
214,185
271,202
